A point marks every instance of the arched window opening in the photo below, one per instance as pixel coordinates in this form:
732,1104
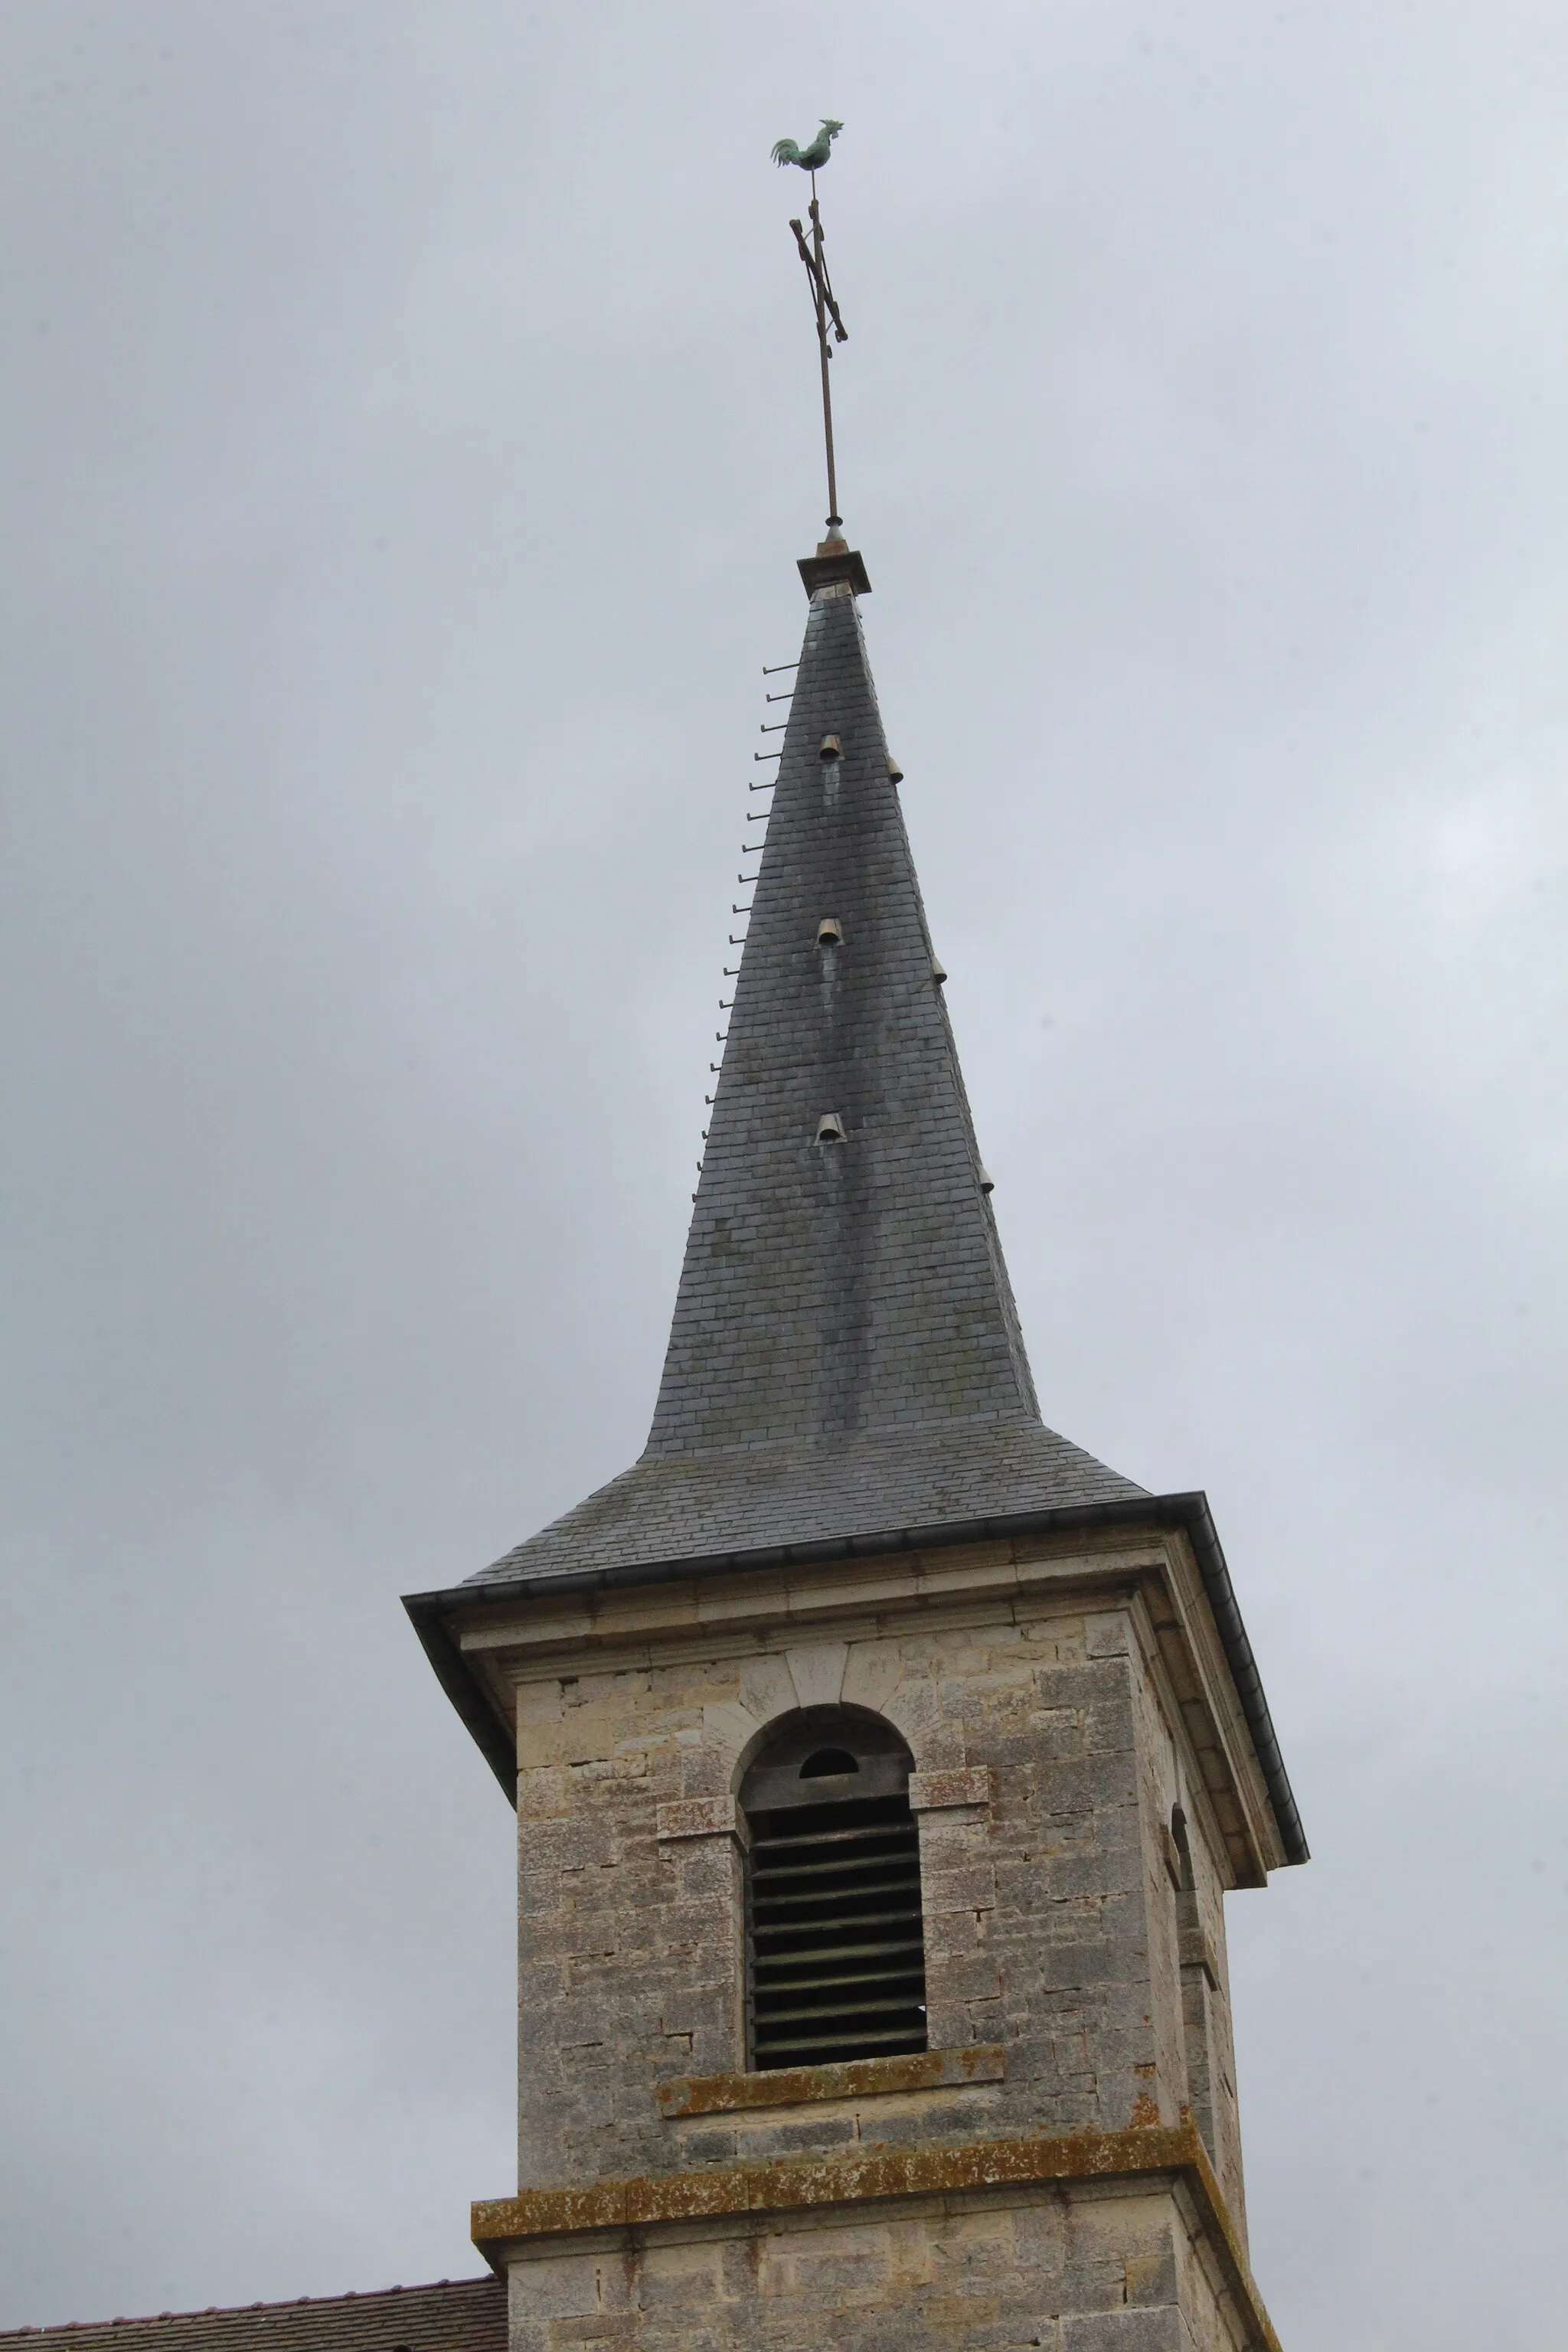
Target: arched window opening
834,1945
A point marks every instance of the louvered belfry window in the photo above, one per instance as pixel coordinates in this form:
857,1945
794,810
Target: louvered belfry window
835,1949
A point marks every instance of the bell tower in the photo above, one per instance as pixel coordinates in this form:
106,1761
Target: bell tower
881,1759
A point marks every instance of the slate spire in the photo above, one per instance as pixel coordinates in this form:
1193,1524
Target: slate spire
833,1288
845,1362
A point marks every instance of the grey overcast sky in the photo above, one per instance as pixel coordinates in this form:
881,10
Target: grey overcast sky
407,431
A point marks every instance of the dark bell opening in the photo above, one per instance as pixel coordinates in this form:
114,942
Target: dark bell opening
835,1937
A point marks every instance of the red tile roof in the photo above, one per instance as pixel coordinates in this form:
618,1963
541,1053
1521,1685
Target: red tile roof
453,2316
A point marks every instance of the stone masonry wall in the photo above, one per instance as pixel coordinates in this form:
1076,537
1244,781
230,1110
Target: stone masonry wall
1050,1898
1085,2268
1189,1984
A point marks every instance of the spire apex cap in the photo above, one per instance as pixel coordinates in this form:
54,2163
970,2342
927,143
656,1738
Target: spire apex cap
832,566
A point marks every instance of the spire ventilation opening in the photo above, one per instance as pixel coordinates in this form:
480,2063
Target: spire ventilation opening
987,1183
832,749
829,933
830,1129
939,972
895,773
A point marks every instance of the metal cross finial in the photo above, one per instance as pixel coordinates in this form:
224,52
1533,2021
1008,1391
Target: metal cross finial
811,253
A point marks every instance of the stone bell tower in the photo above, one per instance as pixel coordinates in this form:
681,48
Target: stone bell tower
881,1759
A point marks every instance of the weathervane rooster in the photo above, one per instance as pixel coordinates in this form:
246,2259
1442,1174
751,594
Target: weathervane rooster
812,158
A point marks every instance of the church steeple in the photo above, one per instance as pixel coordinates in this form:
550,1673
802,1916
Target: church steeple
881,1759
845,1361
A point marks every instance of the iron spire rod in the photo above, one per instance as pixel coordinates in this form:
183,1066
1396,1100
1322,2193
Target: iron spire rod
827,355
827,308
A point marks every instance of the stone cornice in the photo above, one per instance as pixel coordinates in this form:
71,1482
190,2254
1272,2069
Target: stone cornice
539,1636
448,1621
504,2227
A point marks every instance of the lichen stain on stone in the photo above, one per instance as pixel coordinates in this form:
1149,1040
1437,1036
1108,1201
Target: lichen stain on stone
735,2191
856,2078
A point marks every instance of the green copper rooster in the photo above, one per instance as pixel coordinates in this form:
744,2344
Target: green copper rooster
812,158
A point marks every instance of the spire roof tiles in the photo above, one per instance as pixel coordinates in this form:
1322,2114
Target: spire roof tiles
845,1358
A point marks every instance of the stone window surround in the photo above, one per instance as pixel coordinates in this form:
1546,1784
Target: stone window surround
855,2080
968,1790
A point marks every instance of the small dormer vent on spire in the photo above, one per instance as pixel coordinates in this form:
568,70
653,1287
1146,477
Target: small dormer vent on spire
832,749
830,1129
829,932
